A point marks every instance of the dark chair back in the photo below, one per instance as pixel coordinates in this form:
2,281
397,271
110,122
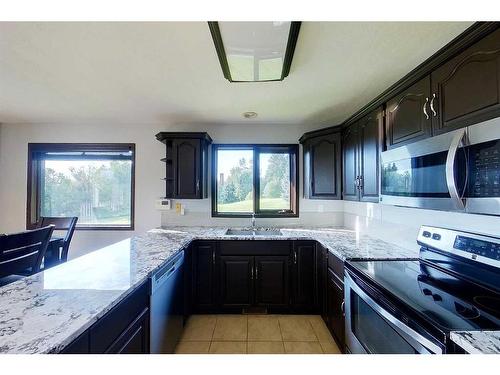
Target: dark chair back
23,251
62,223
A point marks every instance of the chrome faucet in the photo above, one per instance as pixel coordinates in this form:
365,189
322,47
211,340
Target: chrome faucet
253,220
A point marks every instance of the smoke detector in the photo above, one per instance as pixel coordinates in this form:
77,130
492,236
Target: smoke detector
249,114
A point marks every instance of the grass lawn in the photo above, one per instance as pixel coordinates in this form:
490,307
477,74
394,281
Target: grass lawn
247,206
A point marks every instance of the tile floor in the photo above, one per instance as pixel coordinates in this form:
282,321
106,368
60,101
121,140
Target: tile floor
256,334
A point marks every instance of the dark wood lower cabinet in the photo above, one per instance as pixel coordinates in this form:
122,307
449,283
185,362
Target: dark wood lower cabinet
124,329
204,281
335,309
236,281
271,281
304,276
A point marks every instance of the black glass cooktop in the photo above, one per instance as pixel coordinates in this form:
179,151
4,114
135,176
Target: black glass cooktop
441,299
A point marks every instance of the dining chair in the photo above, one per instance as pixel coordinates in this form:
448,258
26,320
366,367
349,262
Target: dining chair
22,253
62,223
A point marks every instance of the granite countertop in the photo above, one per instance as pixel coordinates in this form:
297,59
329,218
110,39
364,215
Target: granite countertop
477,342
45,312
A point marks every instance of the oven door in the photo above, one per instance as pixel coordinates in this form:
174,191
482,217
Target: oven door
427,174
370,328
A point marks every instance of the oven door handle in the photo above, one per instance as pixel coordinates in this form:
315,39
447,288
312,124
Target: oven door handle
450,169
418,341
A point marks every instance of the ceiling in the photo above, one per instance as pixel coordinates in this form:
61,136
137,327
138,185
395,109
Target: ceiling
168,72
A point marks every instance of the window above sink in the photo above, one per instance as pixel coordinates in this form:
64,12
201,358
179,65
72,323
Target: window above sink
255,179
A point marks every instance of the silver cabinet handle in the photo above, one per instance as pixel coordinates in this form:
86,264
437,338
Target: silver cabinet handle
360,183
450,168
425,108
342,308
432,105
256,273
295,257
197,185
251,273
213,256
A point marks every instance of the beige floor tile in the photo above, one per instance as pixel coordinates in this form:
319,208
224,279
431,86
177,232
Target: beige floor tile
330,347
192,347
296,328
263,328
199,328
265,347
320,329
230,328
228,347
302,347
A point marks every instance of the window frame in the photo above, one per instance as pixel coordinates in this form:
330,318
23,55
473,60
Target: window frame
291,149
33,202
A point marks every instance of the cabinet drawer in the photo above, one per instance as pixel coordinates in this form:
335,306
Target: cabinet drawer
254,247
107,329
79,346
135,339
337,266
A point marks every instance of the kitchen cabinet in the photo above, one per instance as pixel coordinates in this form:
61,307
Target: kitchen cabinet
124,329
237,273
408,115
322,164
466,89
186,164
271,280
361,157
335,309
322,264
204,281
304,275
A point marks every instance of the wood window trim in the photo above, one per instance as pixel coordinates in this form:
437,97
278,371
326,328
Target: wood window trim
292,149
33,181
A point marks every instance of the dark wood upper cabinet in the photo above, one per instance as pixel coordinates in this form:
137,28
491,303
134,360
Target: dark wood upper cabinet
466,89
271,281
370,146
305,275
362,143
186,164
236,275
408,115
322,164
350,161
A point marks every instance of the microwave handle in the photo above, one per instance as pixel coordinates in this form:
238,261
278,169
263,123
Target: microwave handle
450,168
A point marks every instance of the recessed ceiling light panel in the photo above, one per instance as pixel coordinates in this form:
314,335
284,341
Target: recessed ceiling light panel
249,114
255,51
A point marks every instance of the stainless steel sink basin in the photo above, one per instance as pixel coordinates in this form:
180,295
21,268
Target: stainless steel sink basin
253,232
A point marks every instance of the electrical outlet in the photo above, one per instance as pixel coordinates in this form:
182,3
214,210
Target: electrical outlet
178,207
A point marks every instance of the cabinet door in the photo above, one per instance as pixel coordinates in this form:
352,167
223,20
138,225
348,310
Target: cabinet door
236,275
350,159
187,160
324,164
408,115
466,90
203,255
78,346
370,130
271,281
135,339
305,271
322,281
335,300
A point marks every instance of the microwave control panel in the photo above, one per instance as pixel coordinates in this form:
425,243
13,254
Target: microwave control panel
484,170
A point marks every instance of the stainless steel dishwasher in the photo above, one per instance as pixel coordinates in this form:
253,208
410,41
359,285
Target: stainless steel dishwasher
167,306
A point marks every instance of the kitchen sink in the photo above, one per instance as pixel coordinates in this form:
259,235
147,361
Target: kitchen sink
253,232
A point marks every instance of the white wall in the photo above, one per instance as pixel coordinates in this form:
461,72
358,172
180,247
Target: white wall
14,139
400,225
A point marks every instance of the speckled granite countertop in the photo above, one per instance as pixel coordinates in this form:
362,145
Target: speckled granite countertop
45,312
478,342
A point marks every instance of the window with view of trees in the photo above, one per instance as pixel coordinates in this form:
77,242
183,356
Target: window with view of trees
94,182
260,179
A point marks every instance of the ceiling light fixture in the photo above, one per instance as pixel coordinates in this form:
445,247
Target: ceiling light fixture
249,114
255,51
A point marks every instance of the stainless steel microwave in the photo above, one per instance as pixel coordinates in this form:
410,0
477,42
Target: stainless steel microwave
455,171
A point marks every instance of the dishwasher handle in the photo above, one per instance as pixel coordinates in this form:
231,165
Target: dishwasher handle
162,275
